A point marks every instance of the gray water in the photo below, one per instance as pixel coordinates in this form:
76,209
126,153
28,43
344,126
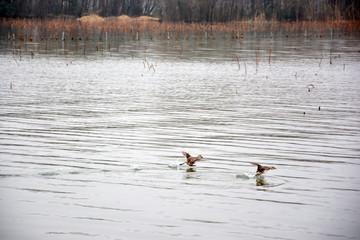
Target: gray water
90,144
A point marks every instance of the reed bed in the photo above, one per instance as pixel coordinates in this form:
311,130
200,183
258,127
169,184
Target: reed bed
60,35
153,28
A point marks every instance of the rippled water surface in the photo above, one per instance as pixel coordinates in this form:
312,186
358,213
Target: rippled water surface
90,145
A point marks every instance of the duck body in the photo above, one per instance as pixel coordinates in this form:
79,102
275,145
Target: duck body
261,169
191,160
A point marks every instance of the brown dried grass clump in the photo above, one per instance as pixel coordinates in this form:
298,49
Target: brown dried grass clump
147,19
93,18
124,18
127,19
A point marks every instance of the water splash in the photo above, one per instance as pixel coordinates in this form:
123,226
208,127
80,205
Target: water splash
176,165
245,175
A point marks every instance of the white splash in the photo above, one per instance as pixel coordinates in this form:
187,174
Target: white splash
244,175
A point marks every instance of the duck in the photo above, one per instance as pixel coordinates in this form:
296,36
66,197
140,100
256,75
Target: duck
261,169
191,160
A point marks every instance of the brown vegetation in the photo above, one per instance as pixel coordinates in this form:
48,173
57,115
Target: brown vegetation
92,19
124,18
124,24
124,27
53,28
146,18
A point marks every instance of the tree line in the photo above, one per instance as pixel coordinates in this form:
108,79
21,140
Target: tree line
187,10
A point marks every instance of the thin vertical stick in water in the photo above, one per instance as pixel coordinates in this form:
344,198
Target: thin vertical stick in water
257,61
321,60
238,62
84,43
269,54
64,42
76,44
20,50
118,42
330,58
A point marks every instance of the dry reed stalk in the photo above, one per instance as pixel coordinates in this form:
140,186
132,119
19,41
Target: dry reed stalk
23,29
76,44
181,50
64,41
238,61
186,36
330,58
84,43
321,60
177,33
118,43
20,51
269,54
257,60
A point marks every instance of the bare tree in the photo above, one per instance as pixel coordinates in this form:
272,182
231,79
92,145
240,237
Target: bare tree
188,10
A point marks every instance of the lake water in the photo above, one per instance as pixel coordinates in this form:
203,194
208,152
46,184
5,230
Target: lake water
90,144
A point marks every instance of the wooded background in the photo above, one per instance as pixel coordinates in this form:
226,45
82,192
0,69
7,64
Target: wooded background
188,10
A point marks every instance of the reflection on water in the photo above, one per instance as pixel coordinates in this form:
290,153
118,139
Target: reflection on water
91,144
191,170
260,181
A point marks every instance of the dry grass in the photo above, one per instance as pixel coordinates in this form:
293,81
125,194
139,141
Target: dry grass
152,28
146,18
92,19
124,18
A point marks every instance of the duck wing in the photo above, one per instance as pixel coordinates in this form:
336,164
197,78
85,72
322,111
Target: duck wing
259,167
186,154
